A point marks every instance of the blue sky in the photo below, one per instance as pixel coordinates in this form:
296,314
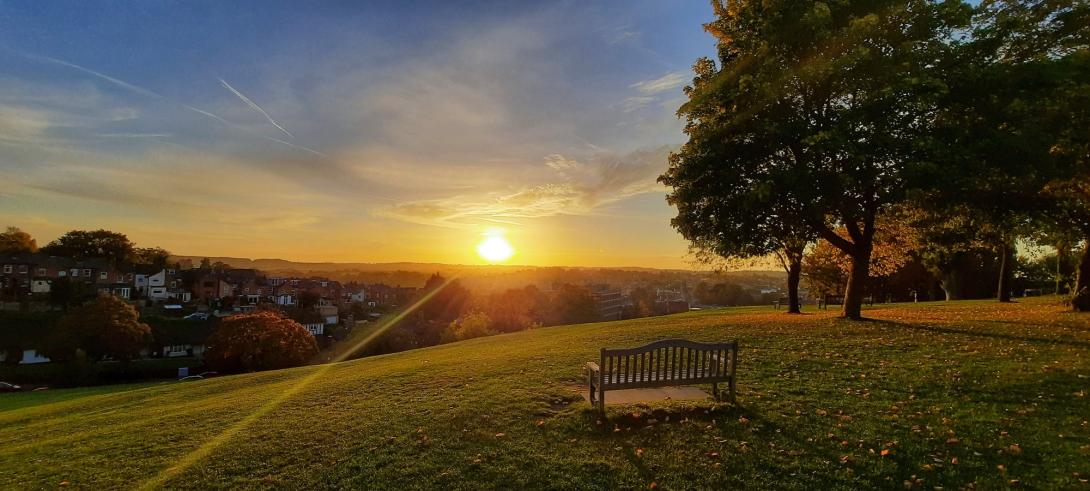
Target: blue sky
351,131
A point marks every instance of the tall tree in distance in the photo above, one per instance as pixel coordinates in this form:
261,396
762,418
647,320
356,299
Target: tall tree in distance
81,244
818,104
15,241
155,256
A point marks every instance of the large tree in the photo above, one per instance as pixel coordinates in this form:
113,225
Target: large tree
818,105
1073,198
997,127
106,328
15,241
82,244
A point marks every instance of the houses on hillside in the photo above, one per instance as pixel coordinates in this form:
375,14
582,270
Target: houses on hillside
38,282
39,279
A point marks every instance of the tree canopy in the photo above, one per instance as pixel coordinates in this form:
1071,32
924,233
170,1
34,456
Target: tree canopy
82,244
15,241
264,340
815,107
106,328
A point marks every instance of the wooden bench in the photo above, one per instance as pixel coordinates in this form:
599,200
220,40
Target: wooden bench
666,363
824,302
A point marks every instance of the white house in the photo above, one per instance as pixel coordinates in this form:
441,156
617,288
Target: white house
156,287
179,294
30,357
39,286
176,350
316,328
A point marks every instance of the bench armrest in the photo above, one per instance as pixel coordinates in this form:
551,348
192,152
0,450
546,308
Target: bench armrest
593,367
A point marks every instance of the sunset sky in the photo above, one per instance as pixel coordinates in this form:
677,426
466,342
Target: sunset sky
395,131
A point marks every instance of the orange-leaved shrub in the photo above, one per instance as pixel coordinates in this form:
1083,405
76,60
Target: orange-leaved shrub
259,341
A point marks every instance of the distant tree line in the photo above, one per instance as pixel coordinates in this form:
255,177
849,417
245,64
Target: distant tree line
445,311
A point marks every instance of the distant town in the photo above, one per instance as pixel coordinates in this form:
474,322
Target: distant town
190,295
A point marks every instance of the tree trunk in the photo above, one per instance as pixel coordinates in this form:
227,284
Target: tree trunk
1061,257
853,294
951,284
1081,301
1006,269
794,273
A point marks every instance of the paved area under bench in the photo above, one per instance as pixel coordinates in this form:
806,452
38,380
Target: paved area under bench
633,396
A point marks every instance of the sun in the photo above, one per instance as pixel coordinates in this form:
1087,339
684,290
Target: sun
494,248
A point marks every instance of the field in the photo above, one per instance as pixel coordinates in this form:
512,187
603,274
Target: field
940,394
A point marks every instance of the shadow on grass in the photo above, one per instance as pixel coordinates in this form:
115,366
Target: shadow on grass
979,333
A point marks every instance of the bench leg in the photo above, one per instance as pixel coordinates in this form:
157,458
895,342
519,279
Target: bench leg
732,398
715,391
590,386
601,401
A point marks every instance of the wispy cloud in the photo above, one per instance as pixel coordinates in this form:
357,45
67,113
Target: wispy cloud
253,105
580,187
634,103
670,81
620,34
142,91
133,135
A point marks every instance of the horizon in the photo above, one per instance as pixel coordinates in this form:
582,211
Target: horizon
391,134
506,265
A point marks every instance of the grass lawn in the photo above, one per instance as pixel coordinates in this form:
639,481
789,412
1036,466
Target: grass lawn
938,394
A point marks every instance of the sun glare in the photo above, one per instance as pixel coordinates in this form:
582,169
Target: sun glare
495,248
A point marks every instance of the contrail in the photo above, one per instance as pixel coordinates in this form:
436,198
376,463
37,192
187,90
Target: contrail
118,82
198,454
253,105
142,91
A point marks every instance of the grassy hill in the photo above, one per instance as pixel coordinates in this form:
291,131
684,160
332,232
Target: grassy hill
946,394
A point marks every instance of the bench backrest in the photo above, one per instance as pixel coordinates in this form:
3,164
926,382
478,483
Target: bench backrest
662,363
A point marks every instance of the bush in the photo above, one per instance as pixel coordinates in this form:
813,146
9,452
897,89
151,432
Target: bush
107,328
472,325
259,341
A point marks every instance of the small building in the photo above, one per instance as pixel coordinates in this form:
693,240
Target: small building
30,357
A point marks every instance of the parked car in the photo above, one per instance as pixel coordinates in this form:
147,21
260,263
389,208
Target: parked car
6,387
196,316
191,378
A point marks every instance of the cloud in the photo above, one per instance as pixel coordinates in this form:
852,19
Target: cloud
253,105
140,90
619,34
670,81
633,103
133,135
578,189
18,123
